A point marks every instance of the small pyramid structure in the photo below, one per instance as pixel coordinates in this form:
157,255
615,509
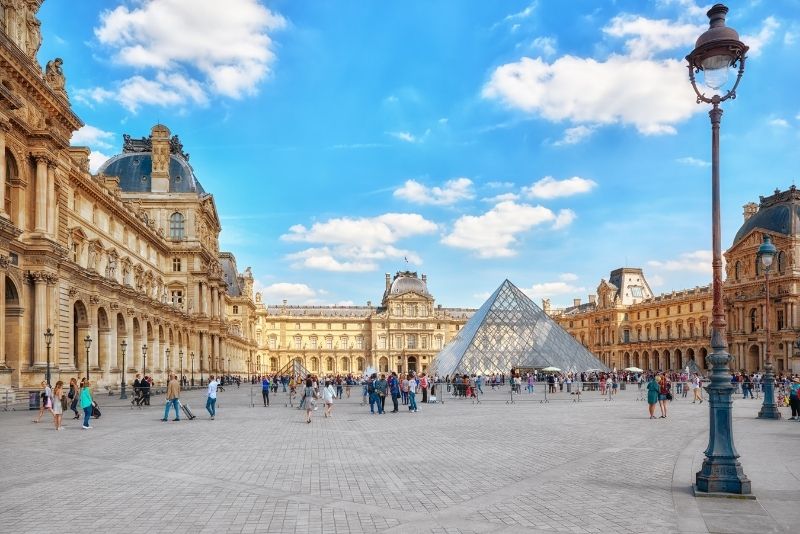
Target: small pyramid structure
294,369
511,331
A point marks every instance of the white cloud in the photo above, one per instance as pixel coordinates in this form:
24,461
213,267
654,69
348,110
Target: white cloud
759,40
92,136
449,193
355,244
551,289
505,185
96,159
503,197
575,135
277,292
194,47
408,137
779,123
695,162
647,37
655,280
546,46
494,234
482,296
548,187
619,90
564,219
568,277
698,261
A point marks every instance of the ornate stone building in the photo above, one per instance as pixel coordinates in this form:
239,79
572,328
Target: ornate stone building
625,324
404,333
129,254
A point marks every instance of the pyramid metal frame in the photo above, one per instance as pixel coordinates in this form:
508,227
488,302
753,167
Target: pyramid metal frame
294,369
511,331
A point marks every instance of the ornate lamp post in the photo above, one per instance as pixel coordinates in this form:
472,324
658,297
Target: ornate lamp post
87,341
192,382
180,367
122,393
48,338
166,352
144,361
769,410
201,367
716,52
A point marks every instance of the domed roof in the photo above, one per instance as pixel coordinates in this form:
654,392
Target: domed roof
779,213
405,282
134,169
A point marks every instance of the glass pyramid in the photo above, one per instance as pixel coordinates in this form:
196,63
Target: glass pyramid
510,330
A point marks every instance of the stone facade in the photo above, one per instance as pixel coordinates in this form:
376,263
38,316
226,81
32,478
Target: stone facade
404,333
93,256
666,331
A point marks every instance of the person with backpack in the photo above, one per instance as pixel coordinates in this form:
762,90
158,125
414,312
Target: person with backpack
380,392
394,390
309,398
369,387
74,393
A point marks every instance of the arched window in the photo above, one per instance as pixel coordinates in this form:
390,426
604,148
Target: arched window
737,270
781,262
12,175
176,226
753,320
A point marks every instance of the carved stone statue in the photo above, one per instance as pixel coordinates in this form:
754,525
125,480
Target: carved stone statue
34,29
54,75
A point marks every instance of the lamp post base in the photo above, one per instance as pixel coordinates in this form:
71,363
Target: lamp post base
722,475
769,409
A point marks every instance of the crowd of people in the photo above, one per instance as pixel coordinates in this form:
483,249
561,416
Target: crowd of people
411,389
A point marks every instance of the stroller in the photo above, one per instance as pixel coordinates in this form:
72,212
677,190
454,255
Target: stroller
141,397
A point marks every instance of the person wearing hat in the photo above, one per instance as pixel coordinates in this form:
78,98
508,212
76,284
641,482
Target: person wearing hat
794,398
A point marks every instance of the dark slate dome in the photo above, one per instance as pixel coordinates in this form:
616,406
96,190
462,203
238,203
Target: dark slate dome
779,213
406,281
134,168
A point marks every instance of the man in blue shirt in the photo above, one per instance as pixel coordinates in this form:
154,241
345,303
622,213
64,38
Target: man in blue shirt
211,403
265,390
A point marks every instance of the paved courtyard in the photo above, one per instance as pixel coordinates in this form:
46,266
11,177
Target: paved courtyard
566,467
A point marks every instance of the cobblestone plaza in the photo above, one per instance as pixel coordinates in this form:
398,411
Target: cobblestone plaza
593,466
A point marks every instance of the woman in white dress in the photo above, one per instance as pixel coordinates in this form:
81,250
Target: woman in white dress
328,393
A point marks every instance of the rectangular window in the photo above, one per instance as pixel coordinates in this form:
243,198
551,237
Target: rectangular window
235,310
297,326
297,341
344,326
424,342
626,336
382,342
330,325
176,265
314,343
177,297
328,342
359,342
779,318
272,342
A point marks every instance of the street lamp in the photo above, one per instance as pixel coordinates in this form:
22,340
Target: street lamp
144,360
201,368
48,338
769,410
166,352
716,52
122,393
192,382
87,341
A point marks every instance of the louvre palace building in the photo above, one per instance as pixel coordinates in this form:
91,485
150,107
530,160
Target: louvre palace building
114,272
625,324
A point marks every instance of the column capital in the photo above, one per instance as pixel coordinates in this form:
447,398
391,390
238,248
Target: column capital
43,157
41,277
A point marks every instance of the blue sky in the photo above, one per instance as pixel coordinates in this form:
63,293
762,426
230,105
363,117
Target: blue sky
545,142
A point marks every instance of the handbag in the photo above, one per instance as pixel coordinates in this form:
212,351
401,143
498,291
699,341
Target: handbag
669,396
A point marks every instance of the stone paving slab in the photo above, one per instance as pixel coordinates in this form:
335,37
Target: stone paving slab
594,466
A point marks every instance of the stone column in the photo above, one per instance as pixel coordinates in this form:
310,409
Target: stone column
3,267
4,127
207,299
39,280
51,202
40,211
214,302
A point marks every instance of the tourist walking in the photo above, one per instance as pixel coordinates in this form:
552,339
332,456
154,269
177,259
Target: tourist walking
265,390
697,393
380,391
59,400
328,393
73,395
87,403
394,390
309,398
794,398
173,398
652,396
412,395
46,399
423,384
664,394
211,401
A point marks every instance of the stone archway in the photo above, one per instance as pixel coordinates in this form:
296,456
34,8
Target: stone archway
103,340
13,325
412,364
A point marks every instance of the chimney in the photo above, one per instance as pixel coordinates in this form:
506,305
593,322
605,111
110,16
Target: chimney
284,302
424,277
388,281
750,209
159,174
592,299
576,302
369,304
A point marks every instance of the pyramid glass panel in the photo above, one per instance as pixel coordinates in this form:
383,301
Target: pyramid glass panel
511,331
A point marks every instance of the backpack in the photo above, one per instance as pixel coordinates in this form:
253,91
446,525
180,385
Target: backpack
371,386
